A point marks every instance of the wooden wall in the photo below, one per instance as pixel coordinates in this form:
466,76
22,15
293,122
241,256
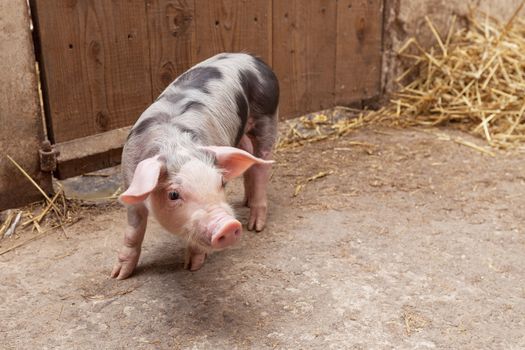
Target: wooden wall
105,61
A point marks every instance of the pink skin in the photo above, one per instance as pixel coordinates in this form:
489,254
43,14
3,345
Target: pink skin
199,213
228,234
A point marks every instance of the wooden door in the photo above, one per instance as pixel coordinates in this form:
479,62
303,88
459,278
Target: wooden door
105,61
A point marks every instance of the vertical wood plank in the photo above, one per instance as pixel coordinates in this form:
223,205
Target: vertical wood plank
232,26
95,63
171,28
359,41
21,130
304,41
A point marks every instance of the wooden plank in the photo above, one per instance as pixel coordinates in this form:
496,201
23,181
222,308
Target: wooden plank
20,113
96,64
231,26
90,153
171,28
359,45
304,53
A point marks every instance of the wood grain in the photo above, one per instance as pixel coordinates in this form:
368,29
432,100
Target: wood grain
171,27
105,61
304,54
232,26
96,64
358,61
90,153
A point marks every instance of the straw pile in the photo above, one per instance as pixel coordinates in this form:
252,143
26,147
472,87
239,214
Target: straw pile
474,79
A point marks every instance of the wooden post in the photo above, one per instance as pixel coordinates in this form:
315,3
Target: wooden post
21,130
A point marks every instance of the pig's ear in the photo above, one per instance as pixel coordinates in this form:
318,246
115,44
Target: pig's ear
235,161
144,181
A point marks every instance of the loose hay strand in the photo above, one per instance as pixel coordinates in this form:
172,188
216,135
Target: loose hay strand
40,216
317,176
436,35
29,178
7,223
39,235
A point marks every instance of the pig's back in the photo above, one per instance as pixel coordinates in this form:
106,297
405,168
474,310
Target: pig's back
214,99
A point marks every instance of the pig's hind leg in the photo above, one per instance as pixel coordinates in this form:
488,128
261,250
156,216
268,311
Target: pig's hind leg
259,141
246,144
129,254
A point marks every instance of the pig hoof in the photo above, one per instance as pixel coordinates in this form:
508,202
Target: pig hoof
126,262
257,219
194,261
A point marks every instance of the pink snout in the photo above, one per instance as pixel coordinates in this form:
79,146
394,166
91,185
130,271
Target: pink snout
227,235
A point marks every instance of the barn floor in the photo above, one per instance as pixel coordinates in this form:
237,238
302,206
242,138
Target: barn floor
413,242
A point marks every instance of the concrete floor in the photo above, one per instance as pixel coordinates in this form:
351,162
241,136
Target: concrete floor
411,243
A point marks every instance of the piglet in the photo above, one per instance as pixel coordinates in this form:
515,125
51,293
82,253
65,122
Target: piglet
216,121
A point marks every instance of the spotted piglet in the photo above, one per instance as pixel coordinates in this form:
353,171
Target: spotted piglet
215,122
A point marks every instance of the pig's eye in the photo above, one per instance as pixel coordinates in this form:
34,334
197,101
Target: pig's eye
223,183
173,195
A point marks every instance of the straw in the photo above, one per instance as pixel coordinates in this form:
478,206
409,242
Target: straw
474,82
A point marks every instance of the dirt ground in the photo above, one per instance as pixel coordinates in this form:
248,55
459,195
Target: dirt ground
413,242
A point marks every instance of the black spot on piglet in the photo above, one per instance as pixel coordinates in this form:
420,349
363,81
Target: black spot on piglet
191,105
198,78
242,112
263,94
147,123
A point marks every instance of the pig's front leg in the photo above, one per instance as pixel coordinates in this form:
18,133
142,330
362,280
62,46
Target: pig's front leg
194,258
130,252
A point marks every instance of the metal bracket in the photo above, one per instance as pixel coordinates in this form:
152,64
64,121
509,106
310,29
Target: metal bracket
48,157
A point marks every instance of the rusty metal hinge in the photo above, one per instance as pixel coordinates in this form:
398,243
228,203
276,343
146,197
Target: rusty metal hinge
48,157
